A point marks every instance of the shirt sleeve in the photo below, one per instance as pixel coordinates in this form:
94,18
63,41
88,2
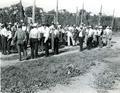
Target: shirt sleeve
10,34
47,35
30,34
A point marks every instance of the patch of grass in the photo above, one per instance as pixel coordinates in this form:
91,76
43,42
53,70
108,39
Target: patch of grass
43,73
107,79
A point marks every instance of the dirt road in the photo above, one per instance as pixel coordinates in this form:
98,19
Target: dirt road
97,80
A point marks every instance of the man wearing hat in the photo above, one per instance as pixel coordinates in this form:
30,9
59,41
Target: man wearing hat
100,33
20,38
4,36
108,33
56,40
41,38
13,43
81,37
46,39
70,36
9,39
24,28
52,29
89,37
34,36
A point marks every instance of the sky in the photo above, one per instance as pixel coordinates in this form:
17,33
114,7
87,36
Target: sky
90,5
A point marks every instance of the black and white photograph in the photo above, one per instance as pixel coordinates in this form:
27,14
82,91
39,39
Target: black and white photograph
59,46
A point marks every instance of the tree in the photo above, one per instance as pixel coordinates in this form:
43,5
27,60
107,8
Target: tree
38,14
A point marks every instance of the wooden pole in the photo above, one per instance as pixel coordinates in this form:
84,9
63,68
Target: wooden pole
112,23
56,22
33,13
82,14
100,15
21,11
57,12
77,14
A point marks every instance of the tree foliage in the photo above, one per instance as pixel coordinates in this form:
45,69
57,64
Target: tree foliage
15,13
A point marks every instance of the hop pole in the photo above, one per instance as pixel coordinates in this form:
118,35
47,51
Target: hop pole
56,13
33,12
100,15
81,21
77,14
112,23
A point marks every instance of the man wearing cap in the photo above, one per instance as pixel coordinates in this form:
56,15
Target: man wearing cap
34,36
20,38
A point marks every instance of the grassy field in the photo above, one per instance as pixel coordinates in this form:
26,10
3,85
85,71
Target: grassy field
42,73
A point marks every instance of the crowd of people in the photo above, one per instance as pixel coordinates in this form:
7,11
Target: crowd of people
19,37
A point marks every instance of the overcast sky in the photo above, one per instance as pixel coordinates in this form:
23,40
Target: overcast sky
70,5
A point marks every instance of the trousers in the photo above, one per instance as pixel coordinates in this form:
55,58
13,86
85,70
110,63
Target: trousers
9,45
81,40
21,48
34,47
46,45
56,45
4,45
89,42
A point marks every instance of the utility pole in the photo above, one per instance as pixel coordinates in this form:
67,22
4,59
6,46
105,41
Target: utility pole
77,14
81,21
21,12
112,23
57,13
33,12
100,15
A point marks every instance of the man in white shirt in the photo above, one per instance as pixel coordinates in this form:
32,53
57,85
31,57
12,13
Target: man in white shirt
70,36
4,39
9,39
56,40
100,34
95,37
24,27
81,37
52,29
46,39
34,36
41,37
89,37
108,34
